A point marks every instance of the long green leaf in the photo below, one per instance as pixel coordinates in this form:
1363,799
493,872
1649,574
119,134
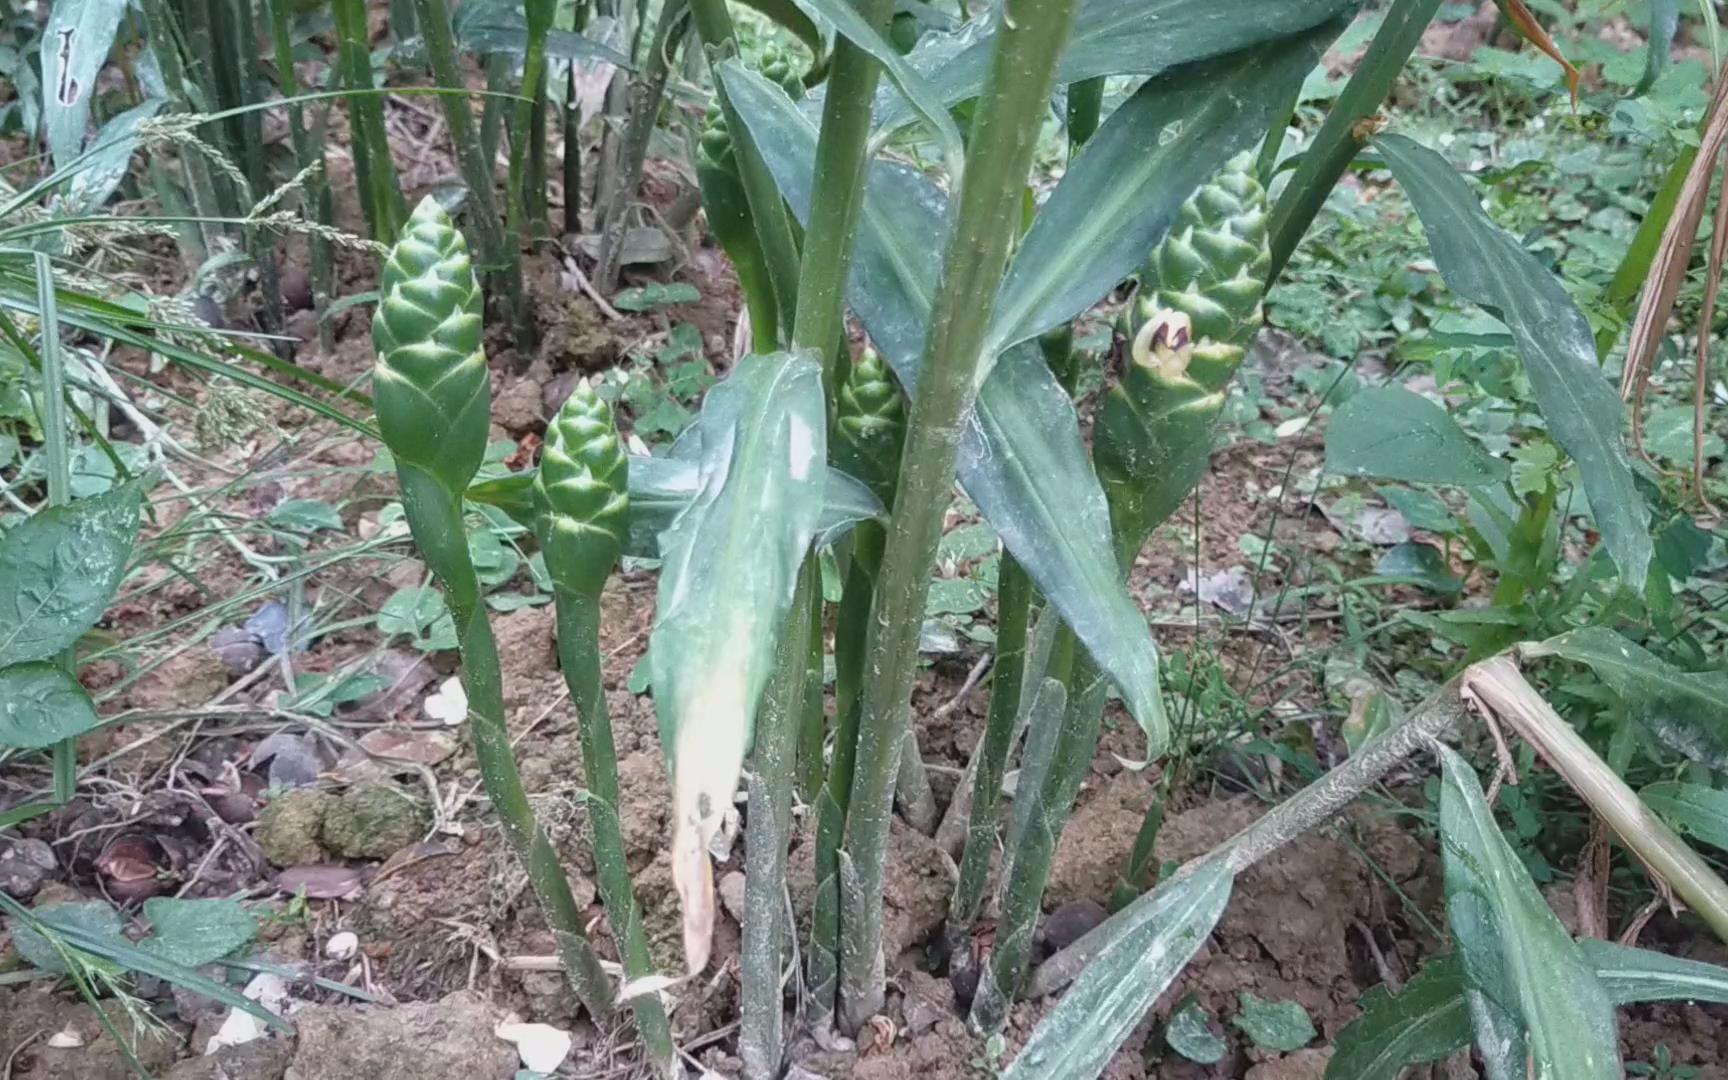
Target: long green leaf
1693,809
1431,1019
1154,939
1686,712
1426,1022
59,570
1118,199
1393,433
1515,952
1118,37
1484,264
1022,459
660,489
731,561
913,87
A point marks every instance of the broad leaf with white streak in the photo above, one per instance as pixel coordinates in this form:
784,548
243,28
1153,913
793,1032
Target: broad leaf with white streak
1151,941
1021,456
74,48
1484,264
1529,975
731,564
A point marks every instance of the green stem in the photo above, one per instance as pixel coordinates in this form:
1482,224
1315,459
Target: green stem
165,44
643,97
767,834
572,159
837,189
318,246
812,720
1014,607
1336,143
767,209
523,133
374,173
1030,37
52,413
579,656
1133,880
435,519
504,257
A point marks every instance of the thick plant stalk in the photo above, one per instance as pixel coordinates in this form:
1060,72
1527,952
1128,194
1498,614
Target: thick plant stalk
643,97
1029,40
318,245
431,395
504,257
1014,604
58,459
760,1043
584,506
572,156
869,430
374,172
161,26
527,137
767,209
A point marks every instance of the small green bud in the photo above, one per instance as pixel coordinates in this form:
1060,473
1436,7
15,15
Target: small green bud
581,493
870,425
430,385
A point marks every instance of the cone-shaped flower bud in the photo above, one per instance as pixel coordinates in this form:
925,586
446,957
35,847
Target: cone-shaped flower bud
581,493
870,425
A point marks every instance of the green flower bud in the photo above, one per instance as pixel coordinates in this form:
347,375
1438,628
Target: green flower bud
581,493
1197,311
1212,267
870,425
430,384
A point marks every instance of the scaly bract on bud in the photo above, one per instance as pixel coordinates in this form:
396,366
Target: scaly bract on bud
581,493
430,385
870,425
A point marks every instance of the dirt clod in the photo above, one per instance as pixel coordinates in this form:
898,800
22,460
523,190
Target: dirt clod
289,827
449,1039
24,865
374,821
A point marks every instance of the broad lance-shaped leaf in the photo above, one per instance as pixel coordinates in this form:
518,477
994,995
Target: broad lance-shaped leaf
1515,953
1393,433
1693,809
1484,264
1116,37
1153,940
59,569
1686,712
659,490
731,564
1021,457
1121,195
1430,1020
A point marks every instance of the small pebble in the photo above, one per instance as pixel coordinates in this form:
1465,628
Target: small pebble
342,946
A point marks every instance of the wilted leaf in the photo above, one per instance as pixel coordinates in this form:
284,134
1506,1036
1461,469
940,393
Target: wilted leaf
320,882
59,569
1515,953
1686,712
1151,941
731,561
1392,433
1484,264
